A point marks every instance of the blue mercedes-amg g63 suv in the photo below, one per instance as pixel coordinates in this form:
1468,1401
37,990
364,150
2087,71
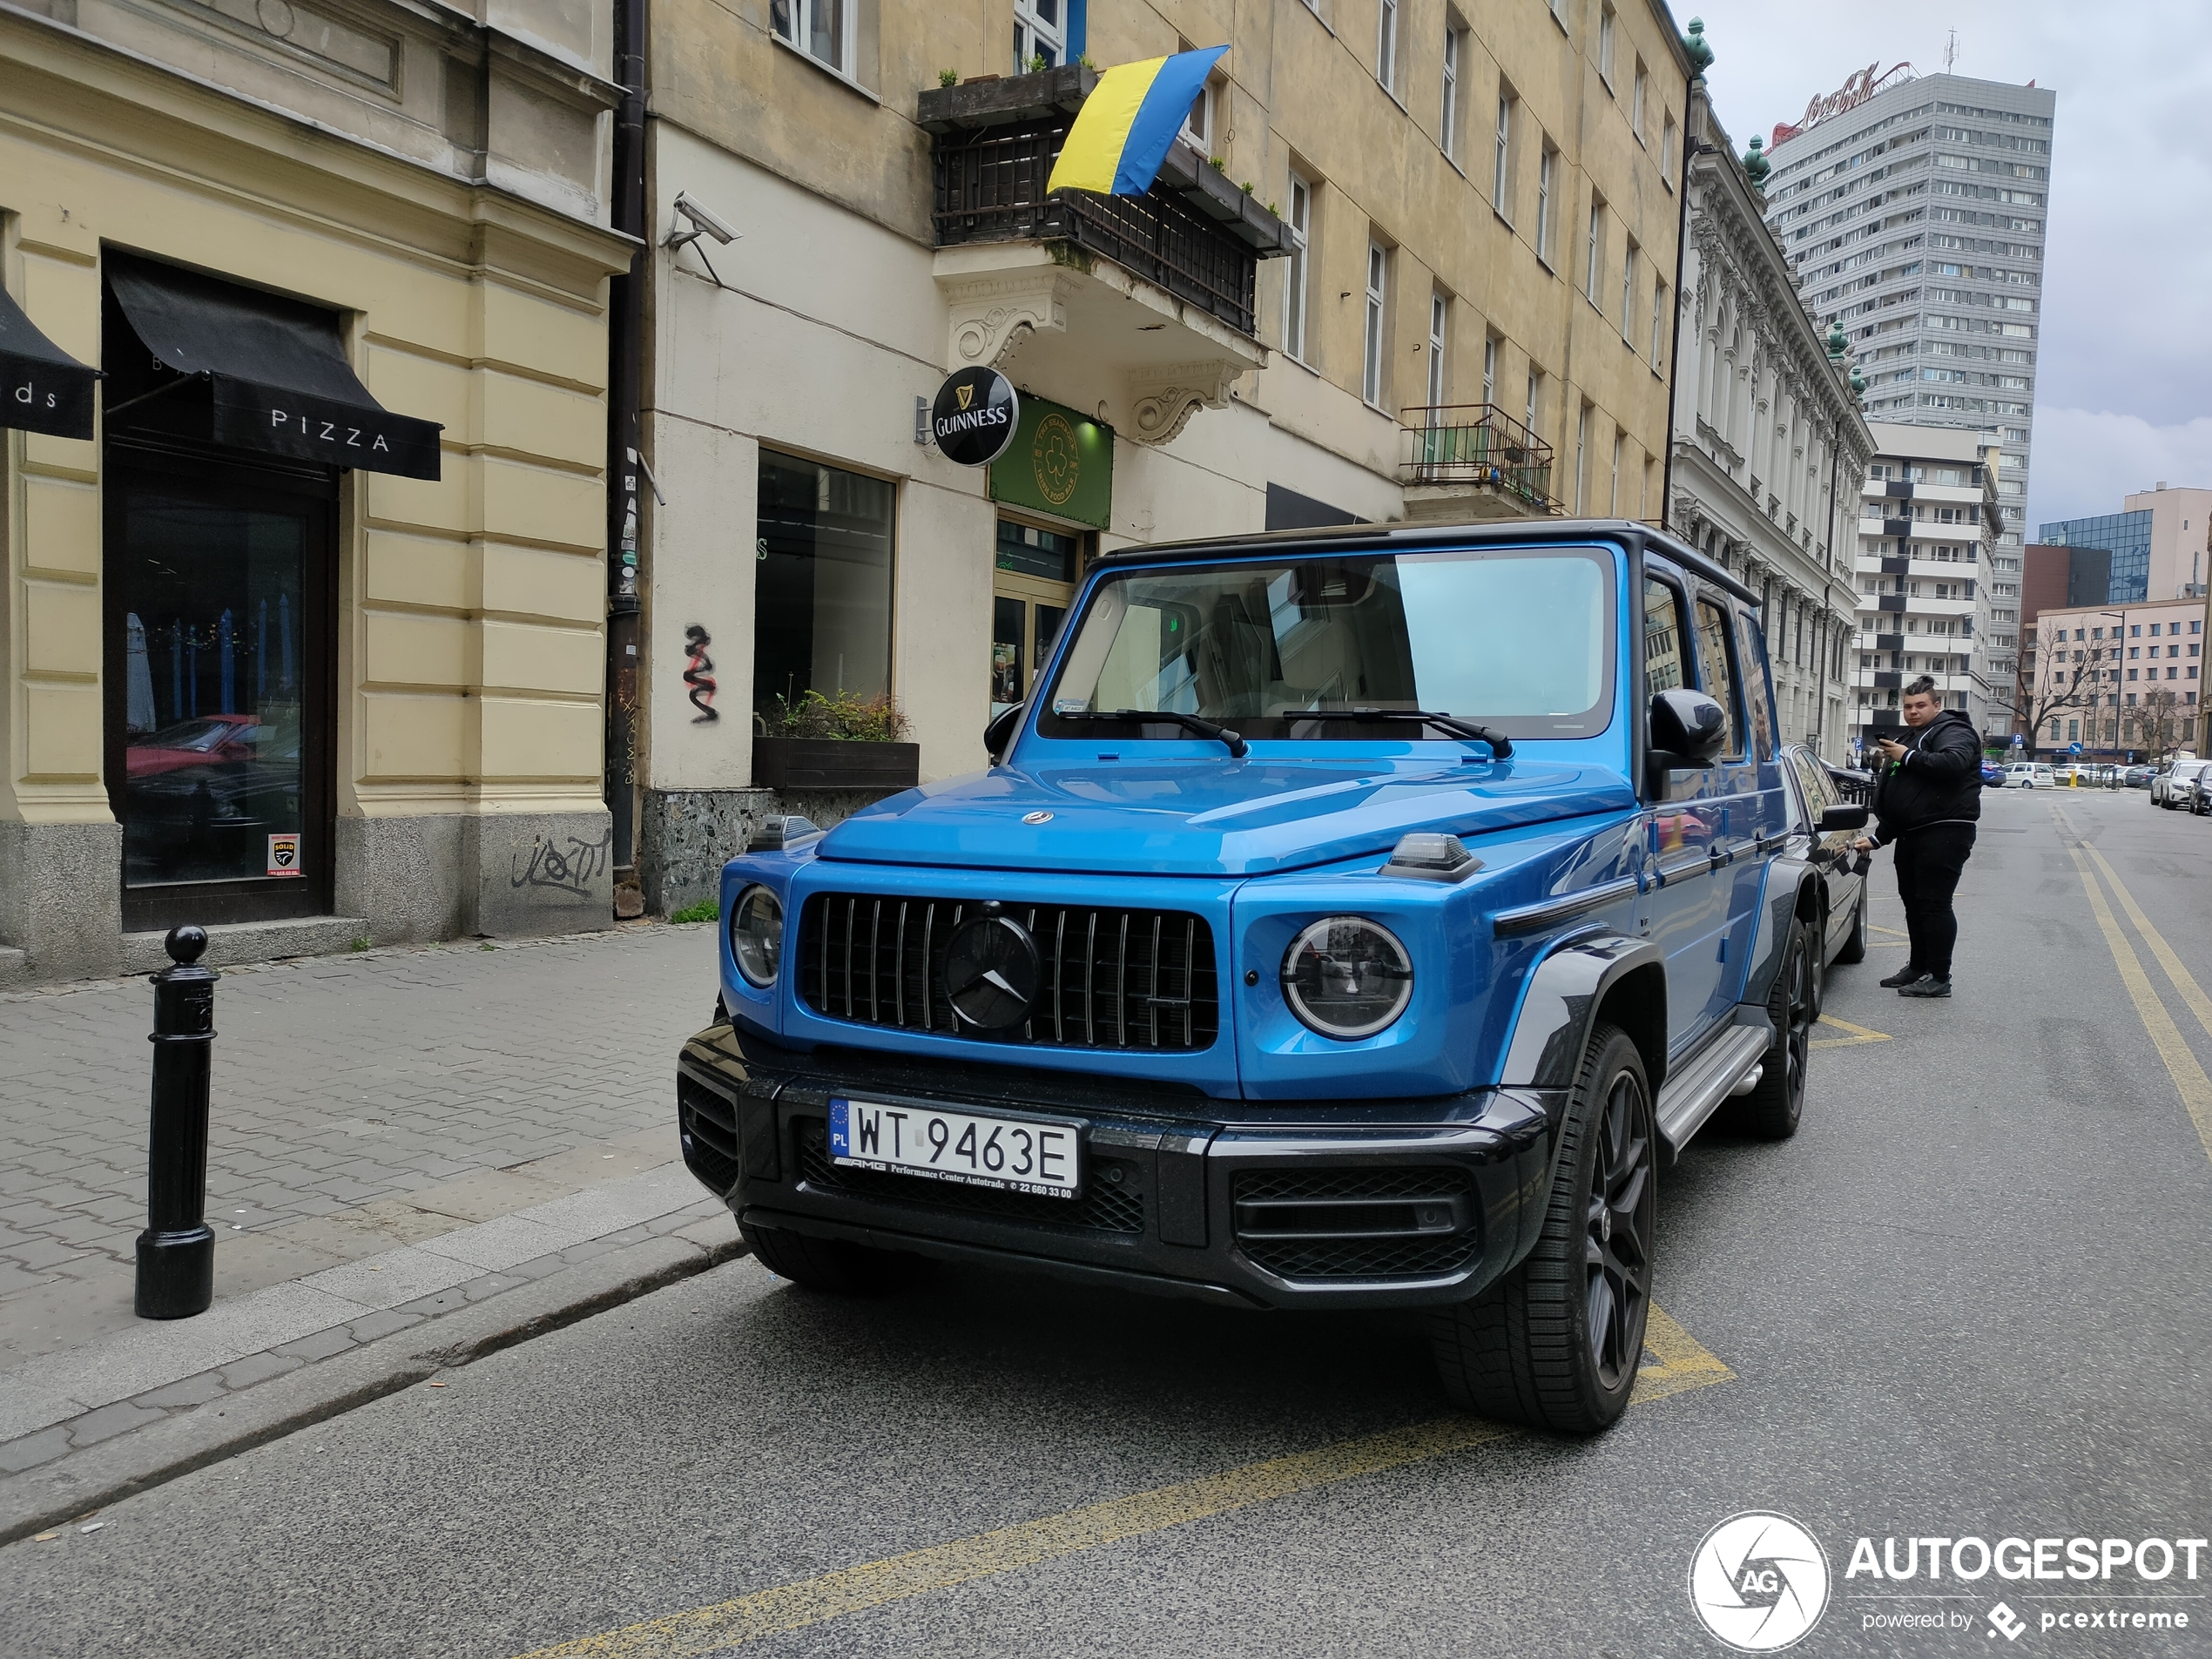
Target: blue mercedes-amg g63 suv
1359,917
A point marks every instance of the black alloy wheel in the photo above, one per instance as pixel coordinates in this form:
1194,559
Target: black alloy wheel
1555,1344
1771,1109
1622,1208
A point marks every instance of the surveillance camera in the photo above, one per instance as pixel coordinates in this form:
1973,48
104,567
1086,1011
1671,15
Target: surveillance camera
704,221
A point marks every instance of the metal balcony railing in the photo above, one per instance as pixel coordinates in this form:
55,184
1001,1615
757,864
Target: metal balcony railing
1476,443
990,187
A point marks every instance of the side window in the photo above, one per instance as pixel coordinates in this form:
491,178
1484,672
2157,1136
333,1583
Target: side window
1663,668
1813,784
1754,694
1716,670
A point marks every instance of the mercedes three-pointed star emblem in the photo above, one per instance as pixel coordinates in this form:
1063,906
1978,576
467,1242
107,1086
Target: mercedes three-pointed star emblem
991,972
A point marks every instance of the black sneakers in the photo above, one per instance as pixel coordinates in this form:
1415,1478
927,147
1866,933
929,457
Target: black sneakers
1903,976
1926,985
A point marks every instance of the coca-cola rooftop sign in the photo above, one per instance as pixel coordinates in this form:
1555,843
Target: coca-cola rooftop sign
1853,93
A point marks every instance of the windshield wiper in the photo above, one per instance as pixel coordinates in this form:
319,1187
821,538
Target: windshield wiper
1166,716
1501,745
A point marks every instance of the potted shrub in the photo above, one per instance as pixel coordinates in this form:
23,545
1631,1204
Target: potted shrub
842,742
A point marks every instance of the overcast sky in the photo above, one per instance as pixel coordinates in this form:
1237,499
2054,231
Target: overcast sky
2123,389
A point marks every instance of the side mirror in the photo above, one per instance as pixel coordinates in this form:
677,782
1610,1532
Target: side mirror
998,737
1842,817
1688,724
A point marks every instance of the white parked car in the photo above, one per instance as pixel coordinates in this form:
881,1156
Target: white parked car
2029,774
2170,788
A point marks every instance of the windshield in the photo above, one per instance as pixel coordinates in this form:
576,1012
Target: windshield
1518,640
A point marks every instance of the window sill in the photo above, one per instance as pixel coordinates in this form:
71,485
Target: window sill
835,73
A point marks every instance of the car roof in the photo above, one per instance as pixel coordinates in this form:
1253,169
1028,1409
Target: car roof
1408,538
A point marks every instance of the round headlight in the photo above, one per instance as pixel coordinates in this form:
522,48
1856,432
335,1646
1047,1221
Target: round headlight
1347,977
756,936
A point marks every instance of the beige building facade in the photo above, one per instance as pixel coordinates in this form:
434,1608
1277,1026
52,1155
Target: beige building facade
2123,679
305,638
1408,260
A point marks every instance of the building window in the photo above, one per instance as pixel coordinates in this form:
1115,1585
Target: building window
1605,30
1490,368
1628,296
1667,150
1536,399
822,585
1502,159
1547,165
1582,460
1300,224
1371,374
823,28
1439,314
1197,125
1387,44
1595,252
1448,127
1039,32
1637,102
1613,505
1658,335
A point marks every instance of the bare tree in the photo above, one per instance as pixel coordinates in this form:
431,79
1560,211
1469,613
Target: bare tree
2055,692
2160,725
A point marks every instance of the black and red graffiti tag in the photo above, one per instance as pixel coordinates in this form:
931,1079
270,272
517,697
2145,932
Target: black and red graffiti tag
700,675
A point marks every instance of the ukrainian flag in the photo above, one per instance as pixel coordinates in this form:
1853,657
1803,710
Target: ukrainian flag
1123,131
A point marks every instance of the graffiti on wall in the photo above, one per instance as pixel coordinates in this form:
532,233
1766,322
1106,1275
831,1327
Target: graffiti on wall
700,675
572,871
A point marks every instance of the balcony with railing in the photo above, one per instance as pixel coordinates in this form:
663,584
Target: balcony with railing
1146,303
1471,461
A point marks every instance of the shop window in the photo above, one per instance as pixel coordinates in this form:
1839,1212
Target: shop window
822,583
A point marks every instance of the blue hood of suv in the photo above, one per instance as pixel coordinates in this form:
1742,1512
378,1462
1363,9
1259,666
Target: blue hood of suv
1225,817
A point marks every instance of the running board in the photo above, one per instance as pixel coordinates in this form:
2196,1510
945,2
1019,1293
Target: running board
1695,1093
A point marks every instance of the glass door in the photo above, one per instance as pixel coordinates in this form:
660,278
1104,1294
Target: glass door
219,704
1031,590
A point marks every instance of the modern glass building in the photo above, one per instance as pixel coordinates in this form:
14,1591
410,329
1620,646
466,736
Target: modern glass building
2125,536
1912,209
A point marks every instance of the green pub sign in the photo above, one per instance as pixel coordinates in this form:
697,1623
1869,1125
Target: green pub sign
1060,462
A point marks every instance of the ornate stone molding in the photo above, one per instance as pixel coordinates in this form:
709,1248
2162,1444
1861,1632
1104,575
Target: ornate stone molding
1162,401
991,317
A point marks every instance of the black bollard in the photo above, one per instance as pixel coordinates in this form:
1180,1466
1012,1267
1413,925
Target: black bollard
177,1250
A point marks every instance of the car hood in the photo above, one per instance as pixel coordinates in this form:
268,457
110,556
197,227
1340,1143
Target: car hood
1228,817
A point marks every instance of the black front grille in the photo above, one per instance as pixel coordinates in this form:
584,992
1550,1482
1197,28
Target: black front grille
1111,979
1357,1222
708,1125
1110,1201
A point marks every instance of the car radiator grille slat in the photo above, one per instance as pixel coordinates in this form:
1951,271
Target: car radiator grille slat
1108,978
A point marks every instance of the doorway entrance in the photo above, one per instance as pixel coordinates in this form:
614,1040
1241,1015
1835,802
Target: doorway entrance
1032,586
220,705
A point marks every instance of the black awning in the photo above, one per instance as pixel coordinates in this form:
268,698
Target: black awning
43,388
240,367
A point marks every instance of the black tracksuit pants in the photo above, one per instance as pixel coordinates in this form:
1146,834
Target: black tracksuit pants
1928,865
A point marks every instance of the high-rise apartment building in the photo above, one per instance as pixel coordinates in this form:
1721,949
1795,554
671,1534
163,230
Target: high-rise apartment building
1928,526
1913,211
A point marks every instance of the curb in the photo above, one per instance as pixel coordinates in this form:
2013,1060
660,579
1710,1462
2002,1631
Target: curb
105,1474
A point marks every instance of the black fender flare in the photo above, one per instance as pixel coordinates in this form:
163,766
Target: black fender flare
1792,888
1561,1006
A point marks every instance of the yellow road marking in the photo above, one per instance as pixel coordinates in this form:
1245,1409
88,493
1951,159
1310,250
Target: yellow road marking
2181,1065
1673,1362
1894,933
2184,981
1858,1033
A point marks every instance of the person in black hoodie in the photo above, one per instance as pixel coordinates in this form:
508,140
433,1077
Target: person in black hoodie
1927,803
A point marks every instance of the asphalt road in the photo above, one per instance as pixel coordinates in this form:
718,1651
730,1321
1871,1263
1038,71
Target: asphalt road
1967,1299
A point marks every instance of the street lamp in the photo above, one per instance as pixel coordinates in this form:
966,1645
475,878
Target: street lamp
2122,635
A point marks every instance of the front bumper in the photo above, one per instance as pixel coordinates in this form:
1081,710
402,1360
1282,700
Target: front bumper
1314,1204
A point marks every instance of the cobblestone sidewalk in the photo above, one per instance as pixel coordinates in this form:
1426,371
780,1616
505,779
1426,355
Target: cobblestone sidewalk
362,1104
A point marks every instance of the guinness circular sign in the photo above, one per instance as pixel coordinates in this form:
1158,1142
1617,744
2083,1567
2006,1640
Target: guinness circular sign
975,415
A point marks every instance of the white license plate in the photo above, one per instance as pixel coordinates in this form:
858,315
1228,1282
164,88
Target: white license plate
965,1148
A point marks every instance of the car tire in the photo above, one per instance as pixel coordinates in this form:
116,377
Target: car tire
1555,1344
830,1265
1770,1112
1853,949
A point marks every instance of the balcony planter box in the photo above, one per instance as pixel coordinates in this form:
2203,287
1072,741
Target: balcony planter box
835,763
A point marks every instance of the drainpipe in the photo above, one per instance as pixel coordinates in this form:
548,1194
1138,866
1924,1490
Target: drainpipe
626,338
1690,146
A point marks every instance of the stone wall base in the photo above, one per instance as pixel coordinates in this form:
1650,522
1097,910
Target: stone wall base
685,836
61,903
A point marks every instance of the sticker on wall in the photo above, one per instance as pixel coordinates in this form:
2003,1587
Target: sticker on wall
284,854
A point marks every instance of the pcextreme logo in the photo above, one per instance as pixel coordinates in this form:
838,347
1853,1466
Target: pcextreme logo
1759,1582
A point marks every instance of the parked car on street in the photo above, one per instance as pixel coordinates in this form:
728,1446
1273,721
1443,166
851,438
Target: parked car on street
2169,789
2138,777
1355,920
2030,774
1816,801
1993,775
